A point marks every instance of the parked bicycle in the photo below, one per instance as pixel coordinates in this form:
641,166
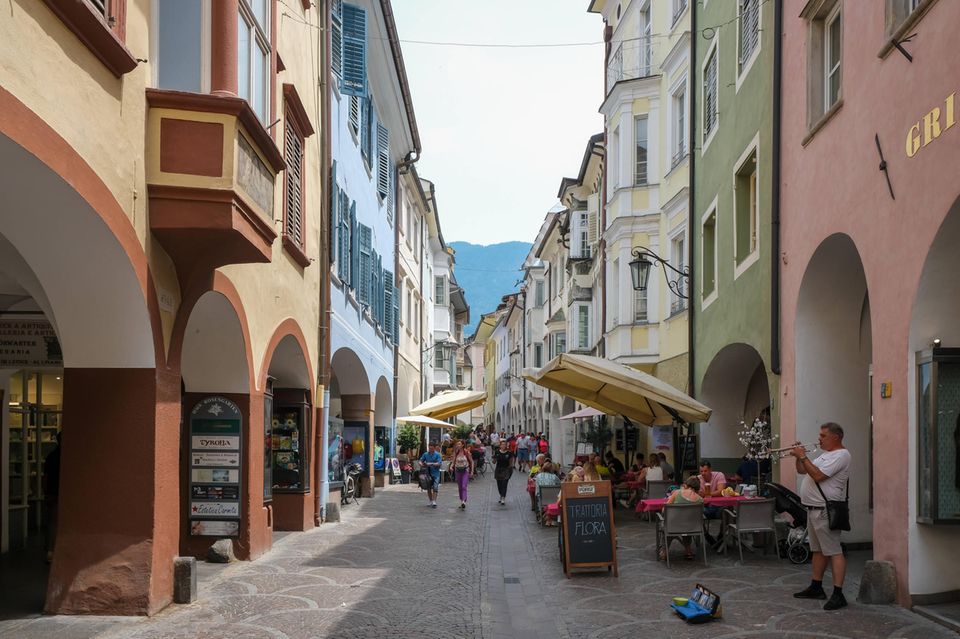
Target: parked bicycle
351,483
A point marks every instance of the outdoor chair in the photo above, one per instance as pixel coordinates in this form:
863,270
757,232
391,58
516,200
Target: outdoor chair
677,521
751,516
548,495
657,489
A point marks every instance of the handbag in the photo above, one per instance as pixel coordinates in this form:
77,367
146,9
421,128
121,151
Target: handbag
838,512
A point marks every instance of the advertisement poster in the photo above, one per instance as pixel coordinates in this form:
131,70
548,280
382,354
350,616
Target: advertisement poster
29,343
215,449
663,438
211,528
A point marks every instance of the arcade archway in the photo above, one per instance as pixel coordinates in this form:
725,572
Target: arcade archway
834,347
350,431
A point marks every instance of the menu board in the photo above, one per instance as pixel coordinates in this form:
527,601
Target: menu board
215,451
588,530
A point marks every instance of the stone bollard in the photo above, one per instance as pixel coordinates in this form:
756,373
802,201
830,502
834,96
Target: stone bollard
184,580
333,511
221,552
878,584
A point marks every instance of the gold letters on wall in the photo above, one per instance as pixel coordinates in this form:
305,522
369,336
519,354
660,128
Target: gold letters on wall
929,128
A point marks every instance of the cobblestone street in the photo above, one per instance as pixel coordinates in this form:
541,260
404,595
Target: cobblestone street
394,567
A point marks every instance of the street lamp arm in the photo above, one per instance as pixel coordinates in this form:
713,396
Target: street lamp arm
644,258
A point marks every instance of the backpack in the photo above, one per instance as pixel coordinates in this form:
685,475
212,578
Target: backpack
425,479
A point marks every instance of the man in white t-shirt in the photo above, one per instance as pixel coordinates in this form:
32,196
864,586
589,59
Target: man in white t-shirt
831,472
494,439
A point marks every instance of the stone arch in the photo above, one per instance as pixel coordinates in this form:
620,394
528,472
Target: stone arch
735,387
933,316
834,345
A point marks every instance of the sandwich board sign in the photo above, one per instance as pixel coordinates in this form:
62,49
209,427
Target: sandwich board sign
588,532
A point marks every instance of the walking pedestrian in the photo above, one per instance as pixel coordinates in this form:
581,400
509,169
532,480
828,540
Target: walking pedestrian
503,459
463,470
523,452
432,460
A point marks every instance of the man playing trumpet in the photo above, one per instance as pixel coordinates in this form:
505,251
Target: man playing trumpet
830,471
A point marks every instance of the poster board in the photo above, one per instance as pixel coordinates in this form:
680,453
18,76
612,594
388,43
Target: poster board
588,531
395,467
215,453
688,453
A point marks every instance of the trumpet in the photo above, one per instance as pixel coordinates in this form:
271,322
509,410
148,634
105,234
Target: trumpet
780,453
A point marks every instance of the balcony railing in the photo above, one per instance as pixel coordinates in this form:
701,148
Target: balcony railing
632,59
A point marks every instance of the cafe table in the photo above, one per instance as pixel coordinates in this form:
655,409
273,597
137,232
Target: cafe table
656,505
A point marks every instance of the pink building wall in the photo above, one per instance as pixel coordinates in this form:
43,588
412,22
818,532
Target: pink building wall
833,185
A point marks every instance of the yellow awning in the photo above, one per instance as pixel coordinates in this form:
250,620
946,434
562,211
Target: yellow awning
450,403
617,389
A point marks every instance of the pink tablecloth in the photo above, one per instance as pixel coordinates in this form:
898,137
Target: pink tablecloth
656,505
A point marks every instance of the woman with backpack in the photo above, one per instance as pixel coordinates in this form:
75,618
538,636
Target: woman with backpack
463,468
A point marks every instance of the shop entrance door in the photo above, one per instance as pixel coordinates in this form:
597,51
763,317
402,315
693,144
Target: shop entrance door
35,404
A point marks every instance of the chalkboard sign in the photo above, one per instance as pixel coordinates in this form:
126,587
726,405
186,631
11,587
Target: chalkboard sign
588,530
687,447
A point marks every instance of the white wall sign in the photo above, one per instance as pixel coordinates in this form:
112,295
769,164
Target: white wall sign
203,458
215,442
215,509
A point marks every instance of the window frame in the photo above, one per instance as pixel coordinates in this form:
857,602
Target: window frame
712,212
262,36
440,290
296,118
744,65
638,317
206,25
106,40
636,150
706,137
752,149
835,16
678,260
679,146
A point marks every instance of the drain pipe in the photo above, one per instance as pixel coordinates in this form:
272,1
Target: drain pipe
326,160
775,355
691,214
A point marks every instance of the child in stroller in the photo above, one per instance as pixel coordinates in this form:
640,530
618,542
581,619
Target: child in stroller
479,454
797,543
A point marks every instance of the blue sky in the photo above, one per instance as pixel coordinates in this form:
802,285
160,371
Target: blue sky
501,126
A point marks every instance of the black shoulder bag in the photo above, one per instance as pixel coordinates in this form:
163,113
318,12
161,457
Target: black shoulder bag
838,512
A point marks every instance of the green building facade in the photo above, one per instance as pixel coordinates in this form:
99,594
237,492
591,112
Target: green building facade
732,222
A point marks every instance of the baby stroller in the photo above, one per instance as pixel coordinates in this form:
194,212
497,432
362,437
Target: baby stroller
797,544
479,455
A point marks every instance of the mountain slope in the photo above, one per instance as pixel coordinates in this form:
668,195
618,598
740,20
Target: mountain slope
487,273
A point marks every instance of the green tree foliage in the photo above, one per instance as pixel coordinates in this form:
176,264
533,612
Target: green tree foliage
408,436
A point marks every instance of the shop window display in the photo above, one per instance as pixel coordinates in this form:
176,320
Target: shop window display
355,444
938,432
34,404
335,451
290,440
380,439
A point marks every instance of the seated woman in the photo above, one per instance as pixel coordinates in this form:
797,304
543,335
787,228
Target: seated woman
590,472
546,477
652,472
688,493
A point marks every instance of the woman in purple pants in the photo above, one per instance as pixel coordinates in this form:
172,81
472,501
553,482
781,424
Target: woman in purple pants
463,470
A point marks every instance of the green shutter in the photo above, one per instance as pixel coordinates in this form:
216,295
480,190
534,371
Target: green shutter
383,161
334,212
388,316
336,40
396,315
343,254
354,50
354,248
365,129
366,264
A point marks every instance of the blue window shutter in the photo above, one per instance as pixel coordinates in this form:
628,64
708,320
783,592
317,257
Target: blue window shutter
366,264
343,253
390,192
354,50
387,293
365,129
334,212
354,248
396,315
383,161
336,40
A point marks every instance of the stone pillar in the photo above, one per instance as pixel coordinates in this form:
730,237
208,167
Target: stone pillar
118,506
223,47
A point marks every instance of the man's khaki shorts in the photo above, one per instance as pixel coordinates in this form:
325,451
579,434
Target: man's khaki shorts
822,539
